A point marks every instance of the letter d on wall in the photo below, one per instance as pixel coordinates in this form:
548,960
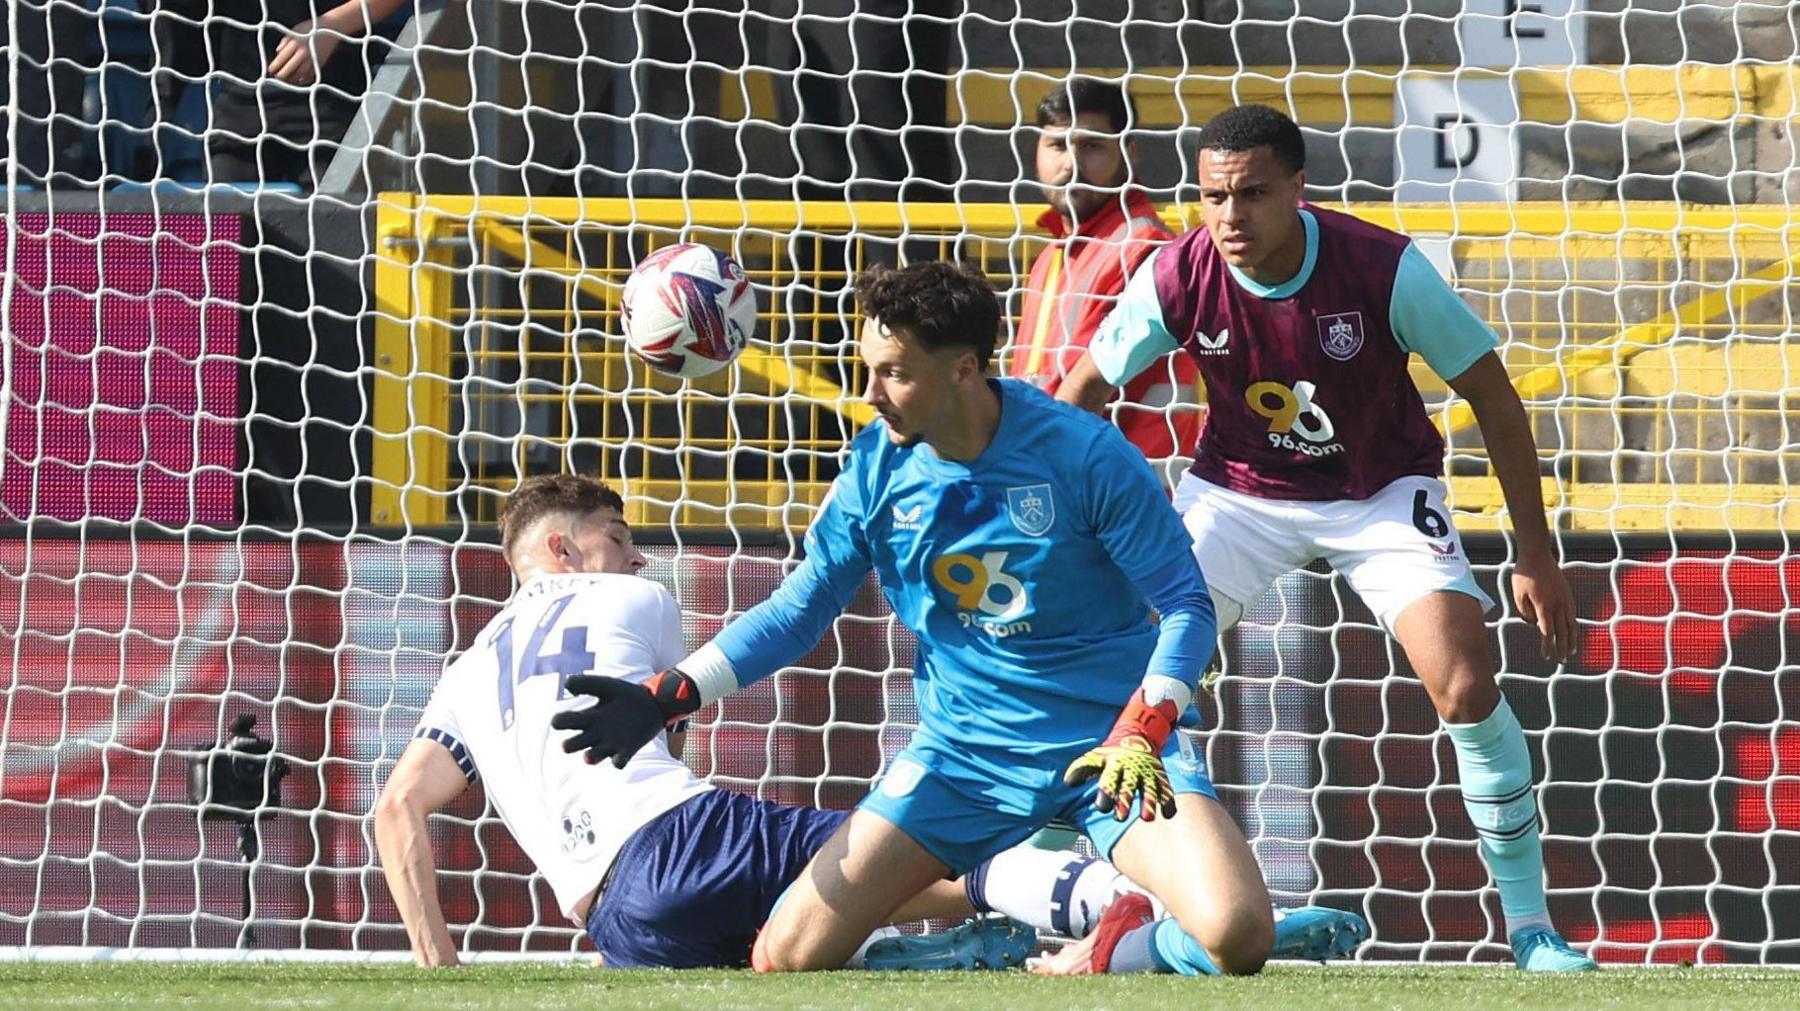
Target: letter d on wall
1453,138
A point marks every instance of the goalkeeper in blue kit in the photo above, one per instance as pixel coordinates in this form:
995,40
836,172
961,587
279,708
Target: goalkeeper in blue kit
1025,543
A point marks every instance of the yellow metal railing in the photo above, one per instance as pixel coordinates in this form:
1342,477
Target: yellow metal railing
1361,96
1649,340
528,296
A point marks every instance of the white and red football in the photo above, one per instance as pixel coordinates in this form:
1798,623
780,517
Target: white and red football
688,310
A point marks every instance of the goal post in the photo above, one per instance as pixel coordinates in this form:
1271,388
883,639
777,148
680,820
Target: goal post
1648,340
380,354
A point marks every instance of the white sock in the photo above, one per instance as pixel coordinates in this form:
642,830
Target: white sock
1053,890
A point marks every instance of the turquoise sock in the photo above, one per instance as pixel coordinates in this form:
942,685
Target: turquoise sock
1174,951
1495,768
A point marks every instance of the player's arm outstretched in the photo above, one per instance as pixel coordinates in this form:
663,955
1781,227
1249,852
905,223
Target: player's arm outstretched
1133,519
769,636
426,779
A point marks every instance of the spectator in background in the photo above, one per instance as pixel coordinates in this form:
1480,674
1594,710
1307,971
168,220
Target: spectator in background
182,60
58,47
291,75
859,86
1104,228
868,96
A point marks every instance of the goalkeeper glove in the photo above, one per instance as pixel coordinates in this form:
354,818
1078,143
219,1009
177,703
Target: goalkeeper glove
1129,762
625,715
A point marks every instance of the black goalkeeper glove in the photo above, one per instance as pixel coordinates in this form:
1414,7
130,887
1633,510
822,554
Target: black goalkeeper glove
625,715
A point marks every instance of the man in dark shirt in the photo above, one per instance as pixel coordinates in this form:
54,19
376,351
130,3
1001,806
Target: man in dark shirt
291,75
58,46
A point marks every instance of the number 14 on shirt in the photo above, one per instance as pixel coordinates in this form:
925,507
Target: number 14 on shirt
573,658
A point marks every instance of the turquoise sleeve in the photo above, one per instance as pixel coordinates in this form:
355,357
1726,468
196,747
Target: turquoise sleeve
1133,335
791,621
1430,320
1147,541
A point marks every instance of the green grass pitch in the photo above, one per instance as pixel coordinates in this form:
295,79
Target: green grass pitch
570,987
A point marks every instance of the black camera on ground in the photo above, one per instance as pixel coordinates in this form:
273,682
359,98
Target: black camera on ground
239,780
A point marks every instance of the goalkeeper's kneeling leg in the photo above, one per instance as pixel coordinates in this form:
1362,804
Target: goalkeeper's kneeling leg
866,871
1202,870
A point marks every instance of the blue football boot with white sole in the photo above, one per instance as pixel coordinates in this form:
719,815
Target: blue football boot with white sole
1316,933
985,942
1537,949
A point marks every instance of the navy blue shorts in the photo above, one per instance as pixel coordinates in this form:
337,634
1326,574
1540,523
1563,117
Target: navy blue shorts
692,887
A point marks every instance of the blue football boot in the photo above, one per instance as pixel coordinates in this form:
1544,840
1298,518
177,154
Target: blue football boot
1539,949
992,942
1316,933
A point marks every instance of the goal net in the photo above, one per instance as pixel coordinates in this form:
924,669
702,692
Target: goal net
262,393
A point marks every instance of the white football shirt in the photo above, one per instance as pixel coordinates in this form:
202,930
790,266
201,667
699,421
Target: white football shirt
492,710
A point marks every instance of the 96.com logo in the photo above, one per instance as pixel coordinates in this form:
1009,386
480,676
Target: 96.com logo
1292,412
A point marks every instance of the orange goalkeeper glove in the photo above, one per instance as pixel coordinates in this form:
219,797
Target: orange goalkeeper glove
1129,762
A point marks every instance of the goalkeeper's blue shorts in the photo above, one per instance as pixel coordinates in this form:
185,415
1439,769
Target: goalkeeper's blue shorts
693,886
963,809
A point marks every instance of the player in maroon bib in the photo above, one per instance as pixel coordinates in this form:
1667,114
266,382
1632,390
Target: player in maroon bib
1277,363
1316,444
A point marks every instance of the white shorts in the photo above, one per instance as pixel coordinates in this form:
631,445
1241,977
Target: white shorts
1393,547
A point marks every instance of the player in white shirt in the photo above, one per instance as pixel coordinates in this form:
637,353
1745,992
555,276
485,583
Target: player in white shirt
662,869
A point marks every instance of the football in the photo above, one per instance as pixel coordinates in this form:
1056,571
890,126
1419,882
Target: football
688,310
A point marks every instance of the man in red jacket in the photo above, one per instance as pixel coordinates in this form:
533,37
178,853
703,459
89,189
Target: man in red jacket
1104,229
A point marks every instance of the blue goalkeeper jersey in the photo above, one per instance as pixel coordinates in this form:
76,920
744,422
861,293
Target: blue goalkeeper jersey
1028,576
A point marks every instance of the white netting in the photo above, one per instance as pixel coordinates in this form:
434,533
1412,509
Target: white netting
254,434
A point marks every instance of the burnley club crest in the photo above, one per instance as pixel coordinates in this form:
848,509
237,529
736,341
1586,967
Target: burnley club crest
1341,334
1031,509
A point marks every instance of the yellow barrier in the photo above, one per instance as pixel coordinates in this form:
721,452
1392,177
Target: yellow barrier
1357,96
1648,339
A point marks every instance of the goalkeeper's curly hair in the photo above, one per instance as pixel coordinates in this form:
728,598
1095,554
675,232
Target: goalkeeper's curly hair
939,304
549,495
